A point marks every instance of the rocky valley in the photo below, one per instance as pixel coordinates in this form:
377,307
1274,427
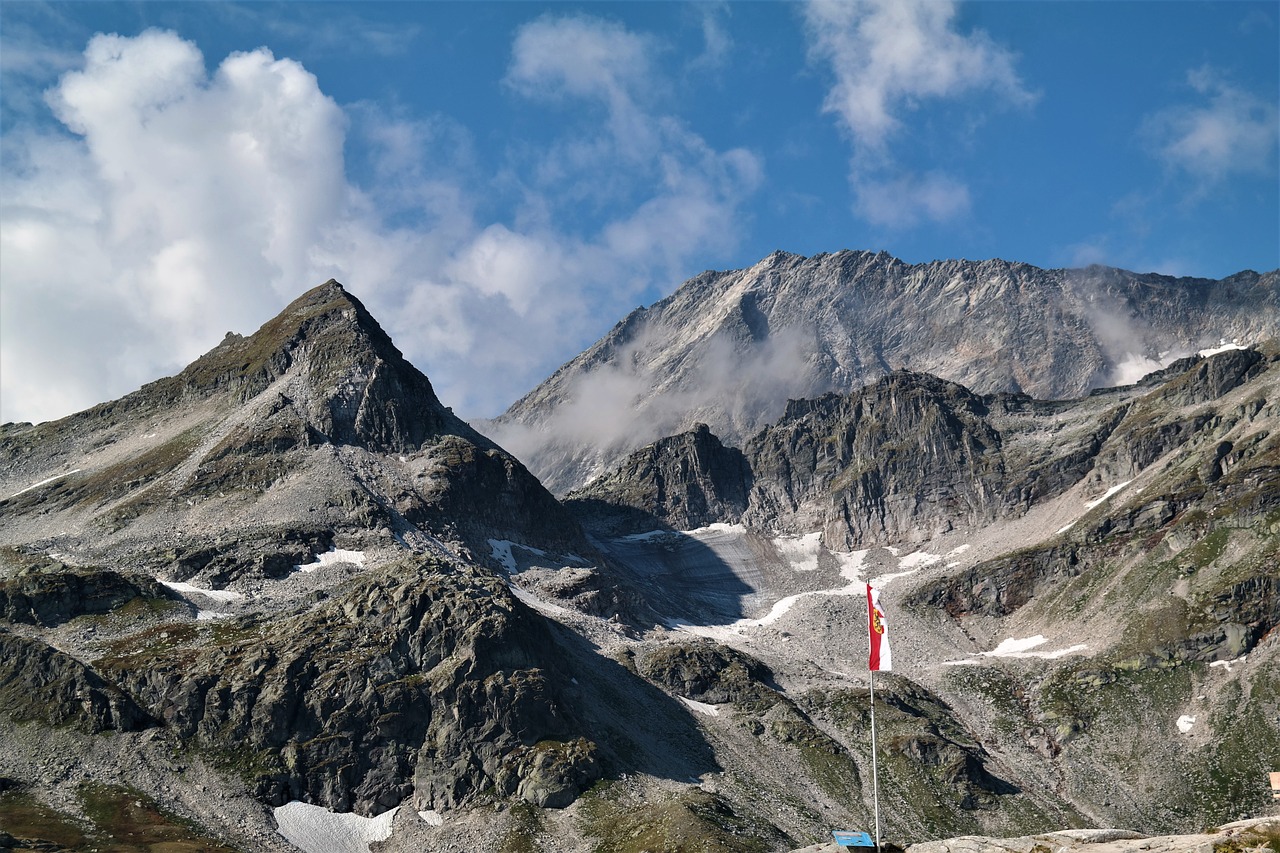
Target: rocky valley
286,599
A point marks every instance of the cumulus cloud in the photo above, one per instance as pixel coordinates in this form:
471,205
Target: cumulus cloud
888,57
176,204
1226,131
179,205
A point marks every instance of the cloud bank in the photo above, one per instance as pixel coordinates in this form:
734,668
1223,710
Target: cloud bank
174,204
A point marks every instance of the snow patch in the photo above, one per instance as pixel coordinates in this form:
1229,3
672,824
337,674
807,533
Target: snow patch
1066,528
210,615
719,633
219,595
850,570
800,551
700,707
884,580
918,560
1223,346
718,527
332,557
648,536
500,550
963,662
1108,493
1227,664
543,607
432,817
1185,723
958,550
52,479
314,829
1014,648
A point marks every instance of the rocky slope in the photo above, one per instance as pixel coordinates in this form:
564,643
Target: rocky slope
730,348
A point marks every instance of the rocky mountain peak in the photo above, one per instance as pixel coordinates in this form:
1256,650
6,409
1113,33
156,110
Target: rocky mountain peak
342,370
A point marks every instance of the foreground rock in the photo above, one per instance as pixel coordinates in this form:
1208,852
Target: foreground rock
1259,834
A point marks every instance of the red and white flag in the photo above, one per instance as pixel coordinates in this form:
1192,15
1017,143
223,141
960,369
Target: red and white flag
881,657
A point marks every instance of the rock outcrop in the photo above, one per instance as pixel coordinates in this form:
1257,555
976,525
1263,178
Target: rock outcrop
425,679
38,682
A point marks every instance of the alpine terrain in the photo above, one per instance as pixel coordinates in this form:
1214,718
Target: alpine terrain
287,600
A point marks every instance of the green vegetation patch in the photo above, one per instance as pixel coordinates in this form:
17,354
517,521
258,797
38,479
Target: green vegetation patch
693,821
526,825
168,643
31,821
116,820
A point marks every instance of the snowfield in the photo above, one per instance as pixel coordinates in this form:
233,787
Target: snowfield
332,557
46,482
1108,493
314,829
220,595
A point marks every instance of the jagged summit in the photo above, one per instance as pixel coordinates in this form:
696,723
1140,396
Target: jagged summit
357,386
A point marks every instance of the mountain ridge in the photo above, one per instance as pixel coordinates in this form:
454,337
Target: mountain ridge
728,348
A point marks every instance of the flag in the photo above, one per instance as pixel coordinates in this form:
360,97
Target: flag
881,657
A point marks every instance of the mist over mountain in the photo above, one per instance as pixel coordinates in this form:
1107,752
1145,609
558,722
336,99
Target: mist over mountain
730,348
285,599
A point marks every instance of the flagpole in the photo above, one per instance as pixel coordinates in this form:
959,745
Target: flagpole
875,774
880,657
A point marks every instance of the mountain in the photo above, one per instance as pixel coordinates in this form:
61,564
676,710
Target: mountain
264,451
286,600
730,348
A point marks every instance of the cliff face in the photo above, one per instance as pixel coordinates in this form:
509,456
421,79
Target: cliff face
906,458
729,348
682,481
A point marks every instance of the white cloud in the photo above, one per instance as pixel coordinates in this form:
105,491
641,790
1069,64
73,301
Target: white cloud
579,57
1228,131
717,43
183,202
187,204
888,57
906,200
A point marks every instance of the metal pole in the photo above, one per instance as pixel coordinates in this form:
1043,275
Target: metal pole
875,774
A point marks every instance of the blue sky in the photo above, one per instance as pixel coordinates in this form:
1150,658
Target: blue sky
501,182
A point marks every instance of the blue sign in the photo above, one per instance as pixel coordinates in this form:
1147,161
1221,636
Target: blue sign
853,839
